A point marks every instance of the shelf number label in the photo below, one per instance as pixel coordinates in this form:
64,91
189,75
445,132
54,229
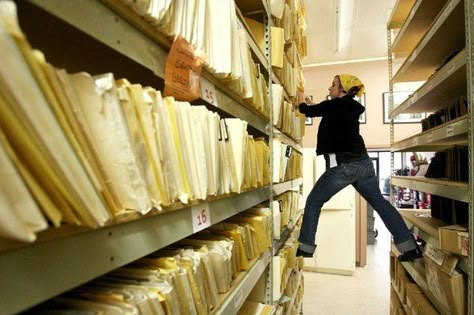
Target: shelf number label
201,217
208,92
450,131
415,141
239,299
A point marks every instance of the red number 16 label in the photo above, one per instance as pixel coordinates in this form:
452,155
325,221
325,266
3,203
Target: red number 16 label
201,217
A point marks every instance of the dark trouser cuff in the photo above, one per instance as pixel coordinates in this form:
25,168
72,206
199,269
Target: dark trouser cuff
405,246
307,248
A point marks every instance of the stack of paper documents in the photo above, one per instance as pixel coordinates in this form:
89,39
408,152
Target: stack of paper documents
285,207
279,276
294,167
239,235
286,265
183,278
255,308
94,147
21,217
212,27
237,145
34,126
257,30
220,256
261,224
149,289
286,118
287,162
263,160
290,17
294,287
277,103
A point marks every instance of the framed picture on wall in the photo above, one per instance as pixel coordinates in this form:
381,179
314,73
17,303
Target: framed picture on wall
308,121
398,98
363,117
361,100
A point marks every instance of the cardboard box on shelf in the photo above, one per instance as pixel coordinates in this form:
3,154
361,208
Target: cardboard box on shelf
417,302
393,266
454,239
396,307
448,288
404,279
445,261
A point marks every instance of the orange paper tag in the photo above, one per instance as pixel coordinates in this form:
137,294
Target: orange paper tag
183,72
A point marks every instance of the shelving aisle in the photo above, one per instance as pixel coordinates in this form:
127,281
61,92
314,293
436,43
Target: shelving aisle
108,36
436,40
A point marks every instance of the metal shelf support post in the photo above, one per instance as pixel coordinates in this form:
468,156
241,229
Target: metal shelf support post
469,26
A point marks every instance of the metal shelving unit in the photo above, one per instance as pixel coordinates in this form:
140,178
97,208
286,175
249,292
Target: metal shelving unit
276,80
293,297
254,48
435,46
450,134
451,31
278,243
416,24
469,22
238,294
299,308
417,272
400,12
128,34
67,257
280,188
286,139
87,255
449,189
405,307
427,228
448,83
253,7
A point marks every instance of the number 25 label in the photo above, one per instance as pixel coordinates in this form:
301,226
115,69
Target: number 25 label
208,92
209,96
201,217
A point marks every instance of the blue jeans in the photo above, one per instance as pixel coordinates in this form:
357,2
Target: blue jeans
361,175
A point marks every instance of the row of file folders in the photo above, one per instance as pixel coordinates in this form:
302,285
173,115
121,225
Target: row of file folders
82,149
217,34
223,42
188,277
285,209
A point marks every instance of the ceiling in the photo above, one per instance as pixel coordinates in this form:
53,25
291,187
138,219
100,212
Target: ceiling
363,30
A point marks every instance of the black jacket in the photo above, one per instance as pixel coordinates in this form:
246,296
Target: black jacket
339,128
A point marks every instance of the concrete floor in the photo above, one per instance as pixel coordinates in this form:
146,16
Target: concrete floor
366,292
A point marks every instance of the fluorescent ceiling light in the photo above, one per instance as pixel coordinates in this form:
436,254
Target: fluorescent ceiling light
343,23
337,26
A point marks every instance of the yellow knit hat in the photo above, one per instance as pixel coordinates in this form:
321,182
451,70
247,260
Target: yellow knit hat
348,81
